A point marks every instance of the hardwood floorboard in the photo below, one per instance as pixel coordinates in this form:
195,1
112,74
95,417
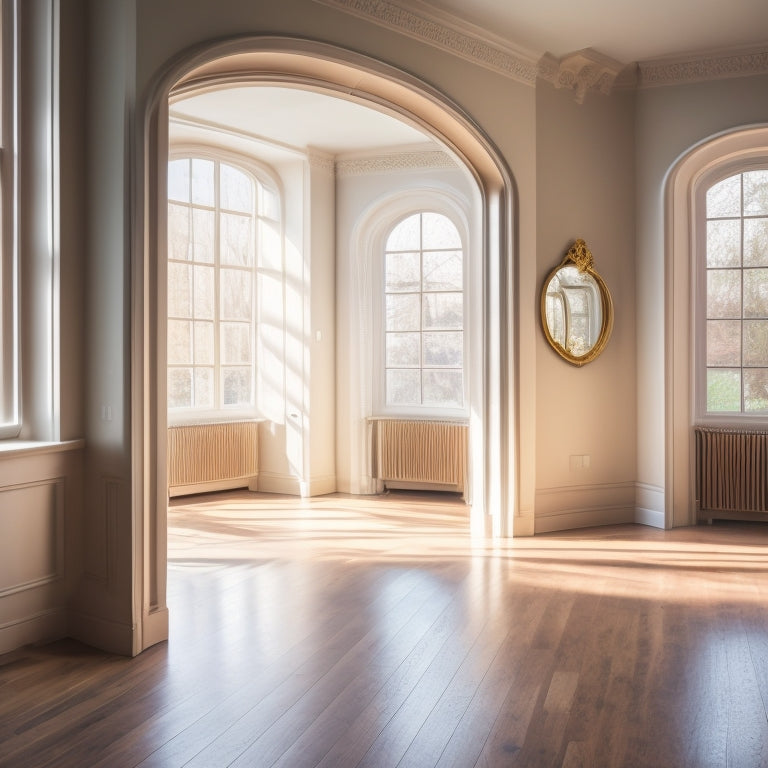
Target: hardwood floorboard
342,633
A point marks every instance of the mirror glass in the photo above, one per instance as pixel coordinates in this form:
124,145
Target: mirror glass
576,308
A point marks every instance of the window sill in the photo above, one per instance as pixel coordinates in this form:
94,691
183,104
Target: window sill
15,448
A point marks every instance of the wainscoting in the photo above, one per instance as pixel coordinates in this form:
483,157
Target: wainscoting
40,495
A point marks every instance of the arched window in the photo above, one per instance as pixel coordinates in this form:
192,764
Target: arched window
216,217
732,289
424,347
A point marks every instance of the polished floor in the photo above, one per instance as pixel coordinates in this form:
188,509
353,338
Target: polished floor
342,632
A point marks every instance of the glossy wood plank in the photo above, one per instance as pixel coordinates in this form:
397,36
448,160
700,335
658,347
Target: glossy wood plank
342,632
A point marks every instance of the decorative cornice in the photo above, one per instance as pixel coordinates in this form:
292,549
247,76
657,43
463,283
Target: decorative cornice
446,32
711,66
581,71
321,161
401,161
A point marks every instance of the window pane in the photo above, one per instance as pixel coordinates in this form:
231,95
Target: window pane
236,190
402,349
204,233
178,232
756,193
724,293
178,180
204,388
755,343
270,249
756,389
723,342
723,389
205,353
236,294
443,388
402,273
236,385
439,232
724,243
406,236
443,311
235,343
180,387
179,342
203,182
204,302
179,290
756,293
403,387
756,243
236,247
443,271
724,198
403,311
443,348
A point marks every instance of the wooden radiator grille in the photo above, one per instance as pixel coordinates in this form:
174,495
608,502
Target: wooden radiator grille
203,453
731,471
430,452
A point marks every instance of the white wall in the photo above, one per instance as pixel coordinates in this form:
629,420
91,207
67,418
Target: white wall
358,195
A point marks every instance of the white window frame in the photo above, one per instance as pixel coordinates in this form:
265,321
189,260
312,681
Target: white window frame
432,202
714,175
10,408
179,416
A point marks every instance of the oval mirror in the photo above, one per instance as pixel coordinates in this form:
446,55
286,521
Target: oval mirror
576,307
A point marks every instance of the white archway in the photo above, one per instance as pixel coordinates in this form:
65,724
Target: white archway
308,65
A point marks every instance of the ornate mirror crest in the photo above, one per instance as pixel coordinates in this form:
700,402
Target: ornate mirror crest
576,307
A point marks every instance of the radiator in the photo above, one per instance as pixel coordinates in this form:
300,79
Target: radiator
731,473
203,457
420,454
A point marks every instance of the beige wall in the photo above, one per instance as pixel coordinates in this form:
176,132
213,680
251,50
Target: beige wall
585,189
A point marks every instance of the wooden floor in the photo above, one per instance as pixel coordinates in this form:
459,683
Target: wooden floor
374,632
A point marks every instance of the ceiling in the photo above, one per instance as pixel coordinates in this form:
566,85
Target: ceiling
283,119
625,31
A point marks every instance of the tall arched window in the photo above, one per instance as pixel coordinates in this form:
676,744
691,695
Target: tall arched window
732,375
424,347
217,211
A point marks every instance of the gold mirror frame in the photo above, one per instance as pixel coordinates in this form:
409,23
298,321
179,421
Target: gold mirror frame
580,258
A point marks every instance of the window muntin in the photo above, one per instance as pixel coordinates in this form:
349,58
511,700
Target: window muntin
10,412
424,346
735,287
214,214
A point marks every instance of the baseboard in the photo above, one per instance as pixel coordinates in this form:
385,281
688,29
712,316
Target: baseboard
213,485
288,485
649,505
107,635
41,627
583,506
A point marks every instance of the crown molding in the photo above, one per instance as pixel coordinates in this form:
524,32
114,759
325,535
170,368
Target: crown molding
447,32
399,161
713,65
582,71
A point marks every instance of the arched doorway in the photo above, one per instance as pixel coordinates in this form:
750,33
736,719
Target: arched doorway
313,66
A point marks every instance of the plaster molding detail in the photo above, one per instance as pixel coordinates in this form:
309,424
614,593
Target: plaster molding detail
403,161
582,71
320,161
711,66
446,32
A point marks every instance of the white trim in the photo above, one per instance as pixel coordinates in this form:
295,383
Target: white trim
737,146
